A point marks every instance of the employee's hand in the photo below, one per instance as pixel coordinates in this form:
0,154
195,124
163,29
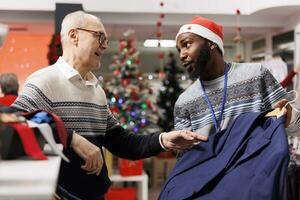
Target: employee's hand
181,140
287,110
89,152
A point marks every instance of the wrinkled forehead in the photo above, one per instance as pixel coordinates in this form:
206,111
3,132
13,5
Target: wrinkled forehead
97,25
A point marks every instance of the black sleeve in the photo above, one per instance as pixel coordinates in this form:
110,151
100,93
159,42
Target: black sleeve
131,146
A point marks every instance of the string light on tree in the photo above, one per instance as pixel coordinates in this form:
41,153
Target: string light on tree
128,90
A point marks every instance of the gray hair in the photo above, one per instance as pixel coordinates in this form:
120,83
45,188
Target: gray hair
77,19
9,84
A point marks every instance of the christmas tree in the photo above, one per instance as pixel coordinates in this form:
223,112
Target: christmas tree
128,91
168,94
55,49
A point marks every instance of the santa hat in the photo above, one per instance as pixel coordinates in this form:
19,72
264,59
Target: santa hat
205,28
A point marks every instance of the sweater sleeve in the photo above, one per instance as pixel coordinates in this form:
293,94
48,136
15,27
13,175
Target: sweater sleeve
124,144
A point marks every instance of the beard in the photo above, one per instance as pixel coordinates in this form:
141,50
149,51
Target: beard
201,62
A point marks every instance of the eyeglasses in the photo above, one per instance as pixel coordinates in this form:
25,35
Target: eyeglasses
101,36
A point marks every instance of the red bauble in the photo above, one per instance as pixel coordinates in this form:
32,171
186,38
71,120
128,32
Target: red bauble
161,4
158,34
134,95
238,56
238,12
116,72
132,51
122,44
125,82
115,109
161,55
149,104
158,23
161,74
162,15
137,61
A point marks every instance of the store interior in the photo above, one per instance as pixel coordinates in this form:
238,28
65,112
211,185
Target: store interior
254,31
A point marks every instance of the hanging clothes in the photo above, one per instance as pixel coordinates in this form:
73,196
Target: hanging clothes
246,161
292,185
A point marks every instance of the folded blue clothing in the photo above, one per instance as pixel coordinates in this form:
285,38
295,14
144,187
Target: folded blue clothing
41,117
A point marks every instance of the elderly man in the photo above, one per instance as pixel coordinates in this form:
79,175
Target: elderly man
69,89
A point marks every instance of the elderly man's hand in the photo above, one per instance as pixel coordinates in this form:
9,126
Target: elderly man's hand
288,110
181,140
89,152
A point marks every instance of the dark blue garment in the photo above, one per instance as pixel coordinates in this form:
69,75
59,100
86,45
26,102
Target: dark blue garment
247,161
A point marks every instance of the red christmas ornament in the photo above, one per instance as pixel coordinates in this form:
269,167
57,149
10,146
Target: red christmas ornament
161,4
125,82
115,109
116,72
149,104
162,15
131,51
137,61
238,12
122,44
134,95
238,56
158,34
161,74
161,55
158,23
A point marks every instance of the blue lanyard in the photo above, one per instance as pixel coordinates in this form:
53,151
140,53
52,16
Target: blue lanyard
217,123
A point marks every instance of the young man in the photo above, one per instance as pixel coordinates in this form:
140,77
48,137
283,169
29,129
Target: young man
222,90
69,89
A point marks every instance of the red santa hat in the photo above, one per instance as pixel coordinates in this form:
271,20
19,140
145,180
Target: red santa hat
205,28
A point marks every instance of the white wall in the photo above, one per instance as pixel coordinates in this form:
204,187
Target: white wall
147,6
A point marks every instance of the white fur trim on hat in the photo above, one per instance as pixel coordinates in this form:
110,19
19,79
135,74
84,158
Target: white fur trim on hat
203,32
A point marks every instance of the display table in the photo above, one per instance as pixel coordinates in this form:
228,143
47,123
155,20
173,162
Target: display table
142,182
29,179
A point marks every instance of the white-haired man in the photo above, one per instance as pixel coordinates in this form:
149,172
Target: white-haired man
69,89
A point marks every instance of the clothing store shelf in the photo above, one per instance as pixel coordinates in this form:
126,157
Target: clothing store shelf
142,183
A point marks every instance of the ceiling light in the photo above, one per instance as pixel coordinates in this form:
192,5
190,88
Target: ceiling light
163,43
